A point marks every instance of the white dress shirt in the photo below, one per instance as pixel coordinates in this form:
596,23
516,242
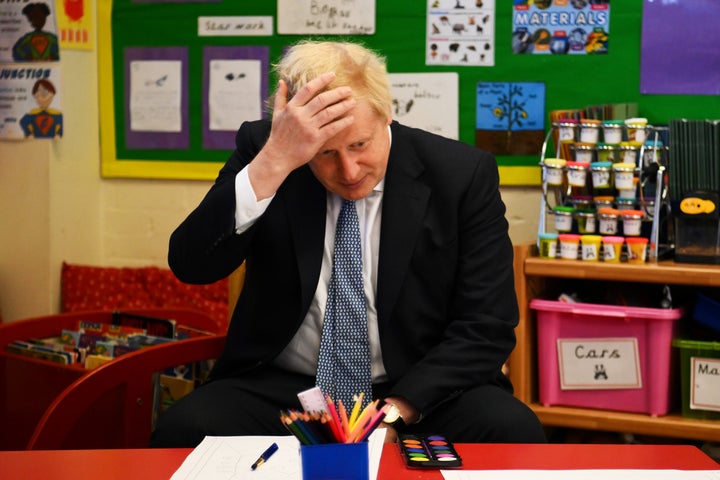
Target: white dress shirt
301,354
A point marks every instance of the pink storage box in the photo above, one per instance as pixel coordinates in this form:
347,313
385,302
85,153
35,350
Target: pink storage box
645,332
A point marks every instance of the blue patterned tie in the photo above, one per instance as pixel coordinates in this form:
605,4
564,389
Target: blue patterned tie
344,361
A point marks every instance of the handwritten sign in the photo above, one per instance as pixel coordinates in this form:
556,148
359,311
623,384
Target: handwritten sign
705,384
234,26
599,363
339,17
426,100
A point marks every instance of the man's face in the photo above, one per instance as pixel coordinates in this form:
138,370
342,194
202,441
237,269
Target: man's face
44,97
352,162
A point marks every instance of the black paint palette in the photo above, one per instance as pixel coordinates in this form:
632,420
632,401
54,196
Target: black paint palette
428,451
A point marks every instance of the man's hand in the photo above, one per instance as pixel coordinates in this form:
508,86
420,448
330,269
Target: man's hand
300,126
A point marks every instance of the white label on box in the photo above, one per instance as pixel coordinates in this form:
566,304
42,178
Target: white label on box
705,384
598,363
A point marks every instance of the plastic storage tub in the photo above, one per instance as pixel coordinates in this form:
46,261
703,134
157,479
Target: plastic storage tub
700,378
605,356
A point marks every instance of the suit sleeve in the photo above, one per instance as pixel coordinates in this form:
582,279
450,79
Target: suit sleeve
204,248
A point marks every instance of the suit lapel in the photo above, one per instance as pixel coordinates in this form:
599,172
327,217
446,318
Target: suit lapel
305,201
404,202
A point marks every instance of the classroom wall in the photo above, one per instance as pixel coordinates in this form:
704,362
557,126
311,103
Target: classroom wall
55,207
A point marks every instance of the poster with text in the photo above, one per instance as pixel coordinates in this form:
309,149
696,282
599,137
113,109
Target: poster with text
460,32
30,102
329,17
510,117
28,32
560,27
426,100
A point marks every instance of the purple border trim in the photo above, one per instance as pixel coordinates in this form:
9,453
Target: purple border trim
218,140
158,140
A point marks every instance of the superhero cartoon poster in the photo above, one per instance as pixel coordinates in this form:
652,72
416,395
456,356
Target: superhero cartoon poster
28,32
30,103
561,27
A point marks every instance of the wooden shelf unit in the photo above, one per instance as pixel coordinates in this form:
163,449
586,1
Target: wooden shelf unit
531,275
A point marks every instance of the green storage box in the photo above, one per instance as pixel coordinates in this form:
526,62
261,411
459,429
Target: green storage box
700,378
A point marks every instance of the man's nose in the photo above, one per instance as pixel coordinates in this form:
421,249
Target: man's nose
348,164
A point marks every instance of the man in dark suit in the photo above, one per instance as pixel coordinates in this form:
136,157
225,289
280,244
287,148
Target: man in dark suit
436,259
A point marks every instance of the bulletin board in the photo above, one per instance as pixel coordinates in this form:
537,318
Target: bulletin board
571,82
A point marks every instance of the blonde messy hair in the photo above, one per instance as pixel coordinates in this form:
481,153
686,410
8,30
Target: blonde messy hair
354,65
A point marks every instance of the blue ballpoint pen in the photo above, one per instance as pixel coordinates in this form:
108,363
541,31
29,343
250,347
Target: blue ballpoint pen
265,455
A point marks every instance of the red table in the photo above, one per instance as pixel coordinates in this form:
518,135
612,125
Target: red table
148,464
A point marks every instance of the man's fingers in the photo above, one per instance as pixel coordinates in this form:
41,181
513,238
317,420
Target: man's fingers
310,90
280,96
334,112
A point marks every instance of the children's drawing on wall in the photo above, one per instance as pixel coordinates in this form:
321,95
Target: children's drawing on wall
329,17
28,32
460,32
427,100
510,117
31,106
575,27
75,24
43,121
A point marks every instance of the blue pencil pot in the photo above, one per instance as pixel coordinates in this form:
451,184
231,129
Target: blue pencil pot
335,461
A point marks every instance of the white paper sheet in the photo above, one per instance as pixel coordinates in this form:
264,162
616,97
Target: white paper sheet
234,95
229,458
155,96
581,474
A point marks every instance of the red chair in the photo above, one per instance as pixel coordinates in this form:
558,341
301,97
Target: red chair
112,405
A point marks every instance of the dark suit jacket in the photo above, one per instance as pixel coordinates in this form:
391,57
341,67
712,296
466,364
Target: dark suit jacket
445,297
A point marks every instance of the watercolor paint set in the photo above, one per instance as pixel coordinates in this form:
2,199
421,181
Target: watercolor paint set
428,451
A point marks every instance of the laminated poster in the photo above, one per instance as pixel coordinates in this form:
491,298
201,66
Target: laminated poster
510,117
460,32
30,102
28,32
561,27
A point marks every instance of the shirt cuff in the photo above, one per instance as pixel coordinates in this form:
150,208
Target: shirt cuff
247,208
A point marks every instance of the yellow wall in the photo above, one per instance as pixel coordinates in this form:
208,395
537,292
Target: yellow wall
55,207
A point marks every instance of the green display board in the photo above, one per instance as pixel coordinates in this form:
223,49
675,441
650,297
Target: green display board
571,81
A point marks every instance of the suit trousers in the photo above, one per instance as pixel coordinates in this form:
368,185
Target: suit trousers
250,405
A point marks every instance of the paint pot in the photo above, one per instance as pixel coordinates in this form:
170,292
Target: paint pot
548,245
632,222
636,129
608,221
584,152
613,131
567,129
590,247
623,175
569,243
603,201
636,249
612,248
563,218
590,130
554,171
601,177
585,220
629,151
